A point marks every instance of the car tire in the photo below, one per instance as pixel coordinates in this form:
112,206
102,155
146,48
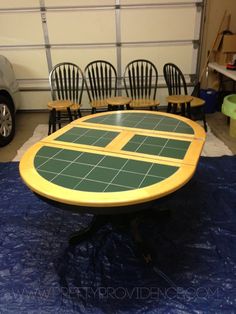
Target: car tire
7,120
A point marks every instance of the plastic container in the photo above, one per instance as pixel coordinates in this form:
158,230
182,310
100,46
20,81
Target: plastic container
210,97
229,109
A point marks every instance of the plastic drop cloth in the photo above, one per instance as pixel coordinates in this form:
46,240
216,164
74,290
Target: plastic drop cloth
194,267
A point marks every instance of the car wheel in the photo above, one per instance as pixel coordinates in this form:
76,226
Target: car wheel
7,120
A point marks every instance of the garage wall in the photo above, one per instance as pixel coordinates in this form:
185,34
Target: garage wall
215,11
37,34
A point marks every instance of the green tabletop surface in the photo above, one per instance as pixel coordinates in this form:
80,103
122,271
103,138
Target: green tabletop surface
143,121
114,159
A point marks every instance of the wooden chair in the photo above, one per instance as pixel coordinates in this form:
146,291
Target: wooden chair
101,83
140,82
67,83
178,99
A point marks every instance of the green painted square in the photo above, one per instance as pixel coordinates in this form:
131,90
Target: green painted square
178,144
90,159
146,125
47,151
170,121
113,162
137,166
131,124
128,179
137,139
91,186
131,147
66,181
173,153
163,171
184,129
77,170
85,140
149,149
102,142
101,174
47,175
67,138
38,161
53,165
95,120
88,137
158,141
77,131
165,128
149,180
68,155
117,188
111,135
93,133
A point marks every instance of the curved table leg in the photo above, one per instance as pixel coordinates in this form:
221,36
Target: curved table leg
84,234
139,240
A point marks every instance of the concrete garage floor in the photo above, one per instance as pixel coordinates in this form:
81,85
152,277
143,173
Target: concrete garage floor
26,122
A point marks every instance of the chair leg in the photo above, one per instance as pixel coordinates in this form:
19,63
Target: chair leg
50,123
58,119
169,107
69,114
93,110
182,108
79,113
188,110
204,118
174,109
54,118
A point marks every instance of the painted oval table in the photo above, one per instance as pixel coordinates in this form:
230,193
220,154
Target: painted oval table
114,162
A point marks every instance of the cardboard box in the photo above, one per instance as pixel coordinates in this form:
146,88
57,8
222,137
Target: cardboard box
225,49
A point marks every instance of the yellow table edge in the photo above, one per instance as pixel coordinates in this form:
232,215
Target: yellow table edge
112,199
95,199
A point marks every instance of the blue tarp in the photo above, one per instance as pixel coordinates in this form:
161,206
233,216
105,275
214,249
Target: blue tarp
194,270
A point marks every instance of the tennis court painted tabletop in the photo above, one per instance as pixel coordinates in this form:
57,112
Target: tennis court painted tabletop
114,159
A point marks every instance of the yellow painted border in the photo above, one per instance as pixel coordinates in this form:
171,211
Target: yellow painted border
60,194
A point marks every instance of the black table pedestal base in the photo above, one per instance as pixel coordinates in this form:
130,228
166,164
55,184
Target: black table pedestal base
130,222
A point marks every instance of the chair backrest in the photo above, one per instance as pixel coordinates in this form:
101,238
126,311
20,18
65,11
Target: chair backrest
66,82
175,80
140,79
101,80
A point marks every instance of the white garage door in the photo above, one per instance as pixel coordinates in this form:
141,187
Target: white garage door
37,34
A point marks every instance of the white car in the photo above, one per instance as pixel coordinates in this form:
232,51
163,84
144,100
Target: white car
9,101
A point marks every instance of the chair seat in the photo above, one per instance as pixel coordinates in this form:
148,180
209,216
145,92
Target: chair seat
60,105
179,99
99,103
75,107
140,103
197,102
118,101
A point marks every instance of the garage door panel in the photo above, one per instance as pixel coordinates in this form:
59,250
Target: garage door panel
82,56
81,27
23,3
159,55
129,2
68,3
162,24
21,29
28,63
35,100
